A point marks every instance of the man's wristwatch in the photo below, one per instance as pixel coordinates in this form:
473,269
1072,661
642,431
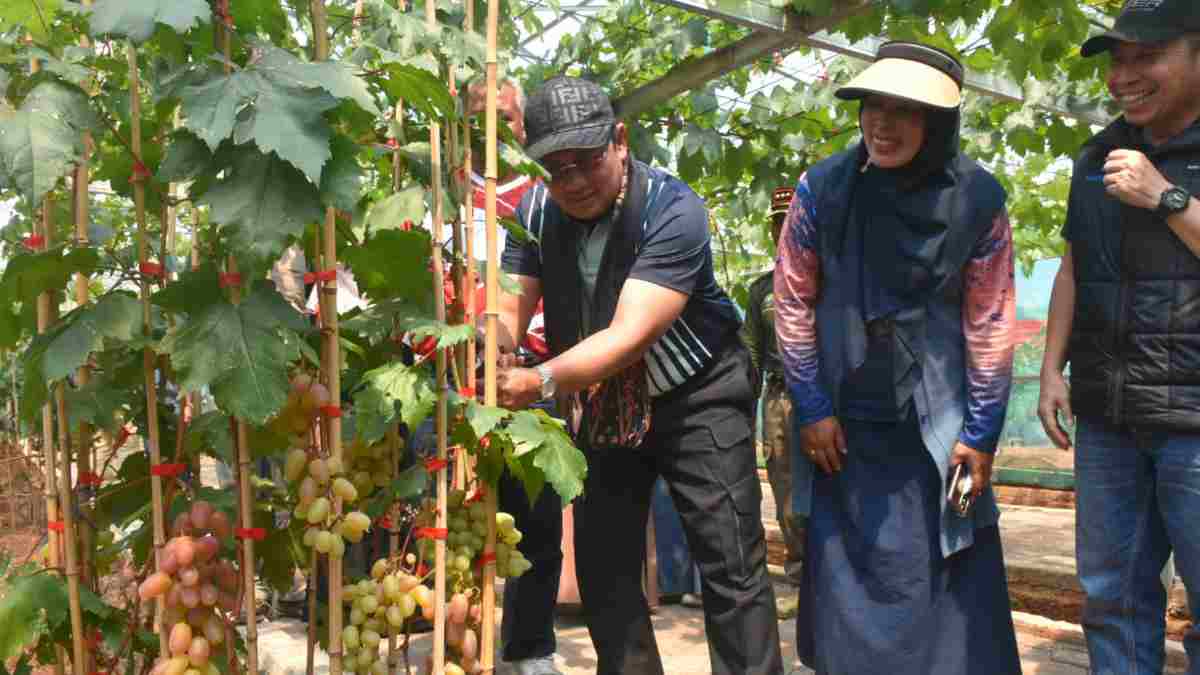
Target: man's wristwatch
1173,200
549,386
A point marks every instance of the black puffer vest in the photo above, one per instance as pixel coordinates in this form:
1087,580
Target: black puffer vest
1135,341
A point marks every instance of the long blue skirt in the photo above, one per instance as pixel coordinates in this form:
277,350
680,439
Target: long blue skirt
878,597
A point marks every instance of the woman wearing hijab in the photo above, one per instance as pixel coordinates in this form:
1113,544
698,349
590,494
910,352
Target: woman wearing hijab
894,310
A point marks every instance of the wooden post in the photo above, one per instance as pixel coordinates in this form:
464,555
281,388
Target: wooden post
488,629
149,363
470,279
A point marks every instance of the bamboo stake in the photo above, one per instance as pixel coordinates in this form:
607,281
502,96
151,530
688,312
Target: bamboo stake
44,228
439,555
245,498
470,282
488,638
72,545
457,272
330,364
149,363
84,454
245,515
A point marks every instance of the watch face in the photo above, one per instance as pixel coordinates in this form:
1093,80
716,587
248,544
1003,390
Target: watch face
1176,199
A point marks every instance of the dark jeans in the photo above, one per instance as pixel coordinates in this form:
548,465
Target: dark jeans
527,629
701,444
1137,494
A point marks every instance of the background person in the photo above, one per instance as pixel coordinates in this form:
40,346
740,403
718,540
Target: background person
647,360
759,335
894,311
1123,312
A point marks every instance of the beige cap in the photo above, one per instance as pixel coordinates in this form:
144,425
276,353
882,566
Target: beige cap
910,71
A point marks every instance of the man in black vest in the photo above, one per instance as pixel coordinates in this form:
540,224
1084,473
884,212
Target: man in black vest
647,364
1125,311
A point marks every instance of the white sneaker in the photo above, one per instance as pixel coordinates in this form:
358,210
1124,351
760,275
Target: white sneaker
538,665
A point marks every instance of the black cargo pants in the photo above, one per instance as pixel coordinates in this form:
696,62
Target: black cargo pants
701,442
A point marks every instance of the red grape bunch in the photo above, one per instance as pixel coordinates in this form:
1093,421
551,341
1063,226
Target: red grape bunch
199,589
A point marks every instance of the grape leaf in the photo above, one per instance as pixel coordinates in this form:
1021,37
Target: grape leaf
137,19
30,605
393,264
191,292
186,157
209,434
391,213
241,351
59,352
30,274
342,178
277,102
96,404
563,464
37,142
483,419
35,17
526,432
267,199
383,388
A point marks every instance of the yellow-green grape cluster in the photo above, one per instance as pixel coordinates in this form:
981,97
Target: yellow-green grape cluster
379,606
466,525
369,466
318,481
197,587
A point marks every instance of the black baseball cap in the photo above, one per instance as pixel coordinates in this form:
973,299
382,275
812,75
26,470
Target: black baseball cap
1148,22
567,113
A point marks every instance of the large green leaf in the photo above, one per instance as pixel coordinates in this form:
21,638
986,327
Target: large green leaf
30,274
267,200
342,178
59,352
38,143
241,351
393,264
36,18
192,291
277,102
562,463
136,19
386,386
186,157
30,605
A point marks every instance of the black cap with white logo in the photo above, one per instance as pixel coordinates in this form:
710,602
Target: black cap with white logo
567,113
1148,22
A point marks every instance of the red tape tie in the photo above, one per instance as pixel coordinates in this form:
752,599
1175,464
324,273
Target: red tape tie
168,470
34,242
431,533
252,533
122,436
90,478
385,523
314,277
56,526
140,172
230,279
331,411
466,392
435,465
486,559
480,493
152,269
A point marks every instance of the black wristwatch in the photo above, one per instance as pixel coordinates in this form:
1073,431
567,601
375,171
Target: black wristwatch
1173,200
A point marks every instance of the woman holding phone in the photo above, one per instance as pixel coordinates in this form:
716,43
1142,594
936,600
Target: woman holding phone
894,313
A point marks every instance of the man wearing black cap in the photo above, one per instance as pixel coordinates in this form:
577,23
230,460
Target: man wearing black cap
1124,311
647,365
759,335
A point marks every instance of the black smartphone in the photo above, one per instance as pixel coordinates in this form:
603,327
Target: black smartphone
959,493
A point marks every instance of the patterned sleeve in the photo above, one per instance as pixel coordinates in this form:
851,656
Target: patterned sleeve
797,286
989,316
